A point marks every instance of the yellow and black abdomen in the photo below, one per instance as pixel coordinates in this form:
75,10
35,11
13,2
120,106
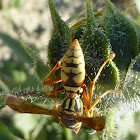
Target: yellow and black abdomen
71,107
73,68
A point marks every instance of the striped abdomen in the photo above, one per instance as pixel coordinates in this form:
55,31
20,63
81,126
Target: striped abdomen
73,68
71,107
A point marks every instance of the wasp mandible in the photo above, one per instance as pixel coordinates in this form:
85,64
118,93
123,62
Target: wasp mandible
70,112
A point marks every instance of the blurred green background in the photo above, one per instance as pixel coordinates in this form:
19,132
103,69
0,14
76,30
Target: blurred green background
31,21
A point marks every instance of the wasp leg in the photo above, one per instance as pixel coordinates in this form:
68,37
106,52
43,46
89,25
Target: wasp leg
99,98
52,81
47,81
77,128
86,100
60,89
92,83
55,68
56,104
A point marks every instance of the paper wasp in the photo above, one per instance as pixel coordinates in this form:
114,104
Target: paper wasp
70,112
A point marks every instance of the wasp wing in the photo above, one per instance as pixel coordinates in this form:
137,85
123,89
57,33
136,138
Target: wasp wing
97,123
26,107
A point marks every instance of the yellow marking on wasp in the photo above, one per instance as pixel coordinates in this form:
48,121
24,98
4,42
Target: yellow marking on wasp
65,77
67,104
73,50
78,104
73,105
80,90
68,112
79,60
66,69
73,60
73,54
78,71
64,64
74,89
73,70
81,66
79,78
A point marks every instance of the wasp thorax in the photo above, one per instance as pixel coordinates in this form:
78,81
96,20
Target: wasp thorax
71,107
72,104
73,95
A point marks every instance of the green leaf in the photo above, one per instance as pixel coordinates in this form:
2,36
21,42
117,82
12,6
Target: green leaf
74,17
26,124
5,133
60,39
15,3
124,106
123,38
39,67
16,48
131,88
137,29
79,27
96,49
2,103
